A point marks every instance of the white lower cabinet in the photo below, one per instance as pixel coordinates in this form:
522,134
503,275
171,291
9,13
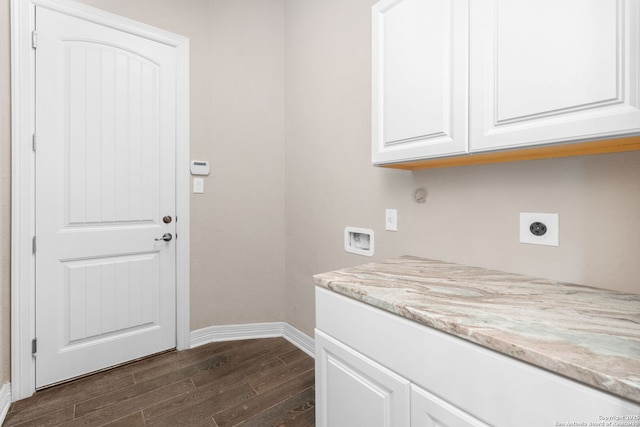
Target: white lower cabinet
374,368
355,391
428,410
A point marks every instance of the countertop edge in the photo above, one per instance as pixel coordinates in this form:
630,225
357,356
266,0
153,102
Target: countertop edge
482,337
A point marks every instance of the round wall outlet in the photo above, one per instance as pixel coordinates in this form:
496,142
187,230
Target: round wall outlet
538,228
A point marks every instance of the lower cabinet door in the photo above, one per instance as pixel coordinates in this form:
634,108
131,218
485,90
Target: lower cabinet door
428,410
354,391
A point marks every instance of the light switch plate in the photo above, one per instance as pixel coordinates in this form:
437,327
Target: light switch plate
391,220
550,220
198,185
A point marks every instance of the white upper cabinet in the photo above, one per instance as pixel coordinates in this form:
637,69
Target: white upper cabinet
420,79
453,77
551,71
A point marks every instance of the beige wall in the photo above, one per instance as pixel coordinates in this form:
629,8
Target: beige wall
471,214
237,123
286,181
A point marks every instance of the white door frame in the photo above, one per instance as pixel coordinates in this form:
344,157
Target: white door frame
23,176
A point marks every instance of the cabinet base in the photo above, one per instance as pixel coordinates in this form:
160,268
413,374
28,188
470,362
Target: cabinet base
545,152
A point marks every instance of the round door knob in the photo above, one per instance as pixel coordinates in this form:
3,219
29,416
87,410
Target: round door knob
167,219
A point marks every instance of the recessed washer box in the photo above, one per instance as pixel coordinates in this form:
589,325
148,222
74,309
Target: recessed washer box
359,241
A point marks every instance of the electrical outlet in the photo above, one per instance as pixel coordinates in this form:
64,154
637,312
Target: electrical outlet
539,228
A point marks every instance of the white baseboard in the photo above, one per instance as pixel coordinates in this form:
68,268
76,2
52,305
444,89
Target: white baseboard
5,400
251,331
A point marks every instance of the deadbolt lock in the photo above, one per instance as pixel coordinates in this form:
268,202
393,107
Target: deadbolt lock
167,219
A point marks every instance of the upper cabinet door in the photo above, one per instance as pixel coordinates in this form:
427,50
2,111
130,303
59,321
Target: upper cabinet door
549,71
419,79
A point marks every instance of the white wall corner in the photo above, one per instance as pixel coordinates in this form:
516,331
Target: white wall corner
251,331
301,340
5,401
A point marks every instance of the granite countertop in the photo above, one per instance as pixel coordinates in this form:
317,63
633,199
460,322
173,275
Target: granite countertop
588,334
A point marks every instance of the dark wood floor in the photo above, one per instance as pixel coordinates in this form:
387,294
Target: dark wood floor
263,382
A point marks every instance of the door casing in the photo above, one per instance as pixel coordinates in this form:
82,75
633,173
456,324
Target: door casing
23,177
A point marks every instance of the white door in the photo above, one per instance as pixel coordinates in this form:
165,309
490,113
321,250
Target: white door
105,178
419,79
551,71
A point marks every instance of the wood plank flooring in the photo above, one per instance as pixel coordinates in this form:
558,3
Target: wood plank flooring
262,382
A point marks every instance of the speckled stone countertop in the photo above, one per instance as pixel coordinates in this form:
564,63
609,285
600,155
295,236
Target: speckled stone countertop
588,334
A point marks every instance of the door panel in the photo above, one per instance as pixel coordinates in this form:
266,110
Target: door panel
553,64
419,72
109,295
114,111
105,177
547,71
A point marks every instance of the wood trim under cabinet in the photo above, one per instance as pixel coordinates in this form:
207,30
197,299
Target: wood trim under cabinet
546,152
